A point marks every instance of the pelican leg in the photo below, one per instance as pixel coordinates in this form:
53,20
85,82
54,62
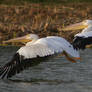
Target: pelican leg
69,58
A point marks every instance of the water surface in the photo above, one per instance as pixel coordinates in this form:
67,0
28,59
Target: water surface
56,75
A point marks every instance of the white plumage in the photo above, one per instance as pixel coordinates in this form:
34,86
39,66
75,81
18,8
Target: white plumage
87,29
47,46
84,34
84,38
35,50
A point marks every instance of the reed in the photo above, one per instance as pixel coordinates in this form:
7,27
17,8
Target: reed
41,19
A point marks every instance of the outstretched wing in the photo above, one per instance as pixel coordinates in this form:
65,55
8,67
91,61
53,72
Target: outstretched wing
30,53
25,57
18,64
65,45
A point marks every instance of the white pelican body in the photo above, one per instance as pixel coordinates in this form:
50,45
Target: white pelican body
84,38
37,48
47,46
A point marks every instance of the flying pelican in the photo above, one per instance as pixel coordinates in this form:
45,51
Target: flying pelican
84,38
35,49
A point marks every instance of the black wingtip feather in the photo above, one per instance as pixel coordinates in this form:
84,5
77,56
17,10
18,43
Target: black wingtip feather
5,71
18,64
81,42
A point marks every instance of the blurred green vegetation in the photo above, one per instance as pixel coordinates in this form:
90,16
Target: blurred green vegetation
41,1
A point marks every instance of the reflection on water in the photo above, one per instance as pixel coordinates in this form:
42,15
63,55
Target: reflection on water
56,75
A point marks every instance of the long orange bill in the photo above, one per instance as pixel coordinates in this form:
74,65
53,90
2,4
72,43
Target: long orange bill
19,39
74,27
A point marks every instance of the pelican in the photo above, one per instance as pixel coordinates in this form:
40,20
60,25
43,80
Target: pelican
84,38
36,48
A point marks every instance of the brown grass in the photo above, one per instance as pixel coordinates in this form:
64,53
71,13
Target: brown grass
41,19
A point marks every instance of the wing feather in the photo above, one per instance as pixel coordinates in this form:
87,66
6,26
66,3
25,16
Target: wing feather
36,50
27,55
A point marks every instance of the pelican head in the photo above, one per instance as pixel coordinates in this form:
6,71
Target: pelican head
23,39
78,26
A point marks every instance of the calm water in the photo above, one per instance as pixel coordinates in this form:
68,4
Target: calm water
56,75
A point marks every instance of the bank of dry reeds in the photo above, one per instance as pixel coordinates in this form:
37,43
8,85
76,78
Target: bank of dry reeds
41,19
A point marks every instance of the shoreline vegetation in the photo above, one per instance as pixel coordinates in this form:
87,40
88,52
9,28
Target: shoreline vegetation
42,18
